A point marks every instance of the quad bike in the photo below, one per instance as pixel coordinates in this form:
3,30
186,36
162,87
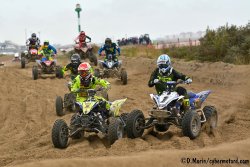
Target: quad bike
29,56
46,67
68,102
169,110
86,52
91,116
111,68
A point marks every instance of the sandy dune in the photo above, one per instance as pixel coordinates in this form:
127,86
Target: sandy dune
27,114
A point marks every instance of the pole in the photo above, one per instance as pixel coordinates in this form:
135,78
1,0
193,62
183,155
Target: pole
78,9
79,24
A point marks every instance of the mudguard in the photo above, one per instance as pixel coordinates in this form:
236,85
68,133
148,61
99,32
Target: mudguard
116,106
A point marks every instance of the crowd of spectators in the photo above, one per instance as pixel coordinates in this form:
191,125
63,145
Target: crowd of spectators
142,40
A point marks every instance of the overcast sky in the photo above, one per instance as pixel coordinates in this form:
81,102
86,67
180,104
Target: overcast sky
56,20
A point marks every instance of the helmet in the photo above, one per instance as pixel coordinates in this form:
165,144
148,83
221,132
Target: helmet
33,35
164,64
75,59
46,43
108,41
85,74
82,33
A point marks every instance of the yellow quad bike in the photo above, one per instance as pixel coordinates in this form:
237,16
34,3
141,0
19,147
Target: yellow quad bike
91,116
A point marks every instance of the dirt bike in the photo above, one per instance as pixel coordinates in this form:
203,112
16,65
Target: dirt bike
86,52
111,68
91,116
169,110
46,67
29,56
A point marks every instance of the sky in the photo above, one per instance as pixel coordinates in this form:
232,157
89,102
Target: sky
56,20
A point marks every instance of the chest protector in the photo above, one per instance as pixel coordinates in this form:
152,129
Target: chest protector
164,78
84,84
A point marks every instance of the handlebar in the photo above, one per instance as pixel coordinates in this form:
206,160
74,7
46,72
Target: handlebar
89,90
174,82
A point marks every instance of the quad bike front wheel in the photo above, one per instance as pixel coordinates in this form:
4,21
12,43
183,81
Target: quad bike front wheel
115,130
93,58
59,73
135,120
60,134
59,106
97,73
124,77
191,124
23,61
35,72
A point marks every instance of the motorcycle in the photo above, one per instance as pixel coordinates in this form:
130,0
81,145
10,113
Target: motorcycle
170,110
111,68
29,56
86,52
46,67
91,116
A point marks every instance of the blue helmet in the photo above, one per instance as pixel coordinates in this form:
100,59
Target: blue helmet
164,64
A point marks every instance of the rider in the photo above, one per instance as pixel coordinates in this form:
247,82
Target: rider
33,42
164,73
82,39
73,66
84,81
110,48
48,50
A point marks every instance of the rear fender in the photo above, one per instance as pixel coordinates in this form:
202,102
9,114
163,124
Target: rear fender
203,95
116,106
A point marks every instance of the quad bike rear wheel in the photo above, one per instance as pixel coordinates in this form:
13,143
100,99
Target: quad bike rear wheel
115,130
124,77
60,134
210,113
59,106
135,120
191,124
35,72
69,101
23,61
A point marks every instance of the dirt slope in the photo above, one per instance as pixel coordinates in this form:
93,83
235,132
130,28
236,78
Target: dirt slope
27,114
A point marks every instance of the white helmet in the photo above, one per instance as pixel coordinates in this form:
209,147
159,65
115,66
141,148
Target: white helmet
164,64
